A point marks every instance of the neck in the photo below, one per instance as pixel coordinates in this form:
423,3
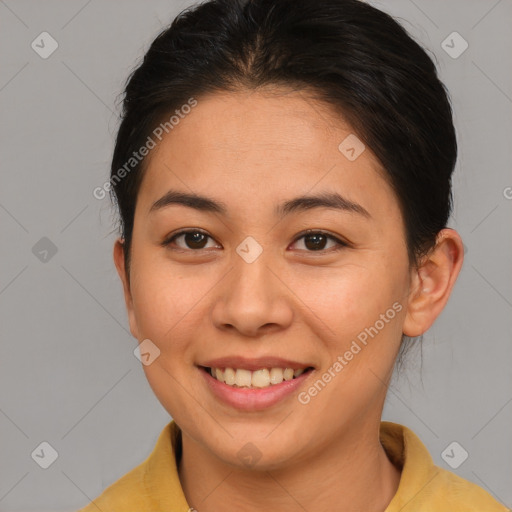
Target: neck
353,474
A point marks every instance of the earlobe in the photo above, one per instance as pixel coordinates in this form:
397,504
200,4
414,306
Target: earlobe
432,282
119,262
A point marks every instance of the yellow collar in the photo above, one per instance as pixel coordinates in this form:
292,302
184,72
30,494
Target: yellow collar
155,485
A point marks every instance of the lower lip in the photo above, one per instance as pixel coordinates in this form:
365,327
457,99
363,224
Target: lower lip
253,399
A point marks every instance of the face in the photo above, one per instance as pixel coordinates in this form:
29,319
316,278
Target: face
248,288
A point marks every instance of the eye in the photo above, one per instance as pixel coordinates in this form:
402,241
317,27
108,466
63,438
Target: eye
317,240
194,239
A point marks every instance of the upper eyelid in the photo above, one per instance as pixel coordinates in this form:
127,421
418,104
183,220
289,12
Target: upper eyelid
300,235
171,237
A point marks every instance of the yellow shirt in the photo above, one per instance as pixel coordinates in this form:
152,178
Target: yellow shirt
154,485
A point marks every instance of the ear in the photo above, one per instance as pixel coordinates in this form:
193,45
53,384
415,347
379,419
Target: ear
432,282
121,270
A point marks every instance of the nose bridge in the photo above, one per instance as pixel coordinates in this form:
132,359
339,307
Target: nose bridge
252,297
251,268
251,278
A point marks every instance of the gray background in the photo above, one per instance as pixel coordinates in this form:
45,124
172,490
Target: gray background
68,375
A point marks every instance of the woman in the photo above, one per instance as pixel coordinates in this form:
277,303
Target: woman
283,177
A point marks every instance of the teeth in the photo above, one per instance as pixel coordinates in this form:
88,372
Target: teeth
243,378
288,374
229,376
218,374
258,379
276,376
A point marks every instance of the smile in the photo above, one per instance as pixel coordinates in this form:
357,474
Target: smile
256,388
261,378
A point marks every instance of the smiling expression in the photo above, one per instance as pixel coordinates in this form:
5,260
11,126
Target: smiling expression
262,174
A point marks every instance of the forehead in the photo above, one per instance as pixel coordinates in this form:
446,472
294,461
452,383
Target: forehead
259,146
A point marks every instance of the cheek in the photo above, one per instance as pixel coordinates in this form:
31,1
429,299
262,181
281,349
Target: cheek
160,296
338,302
167,307
170,301
344,301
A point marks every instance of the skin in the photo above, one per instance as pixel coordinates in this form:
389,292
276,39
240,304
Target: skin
253,151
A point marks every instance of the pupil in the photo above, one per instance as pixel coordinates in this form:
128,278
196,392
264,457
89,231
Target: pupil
318,241
194,240
315,242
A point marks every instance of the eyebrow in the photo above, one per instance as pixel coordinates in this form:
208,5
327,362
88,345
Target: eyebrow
330,200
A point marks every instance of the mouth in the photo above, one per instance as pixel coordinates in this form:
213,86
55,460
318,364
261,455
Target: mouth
260,378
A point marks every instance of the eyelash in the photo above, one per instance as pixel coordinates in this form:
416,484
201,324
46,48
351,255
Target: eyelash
341,243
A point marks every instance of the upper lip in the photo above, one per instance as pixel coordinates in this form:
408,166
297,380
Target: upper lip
254,364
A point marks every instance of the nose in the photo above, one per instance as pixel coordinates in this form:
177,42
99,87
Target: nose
253,300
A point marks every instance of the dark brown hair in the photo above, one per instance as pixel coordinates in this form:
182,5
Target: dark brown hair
352,56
